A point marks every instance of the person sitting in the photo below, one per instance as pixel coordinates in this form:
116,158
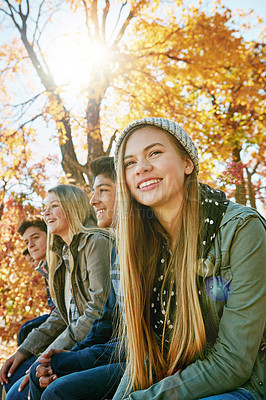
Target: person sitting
192,267
104,190
34,232
92,369
79,279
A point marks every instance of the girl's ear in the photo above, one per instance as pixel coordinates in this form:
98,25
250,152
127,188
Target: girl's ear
189,166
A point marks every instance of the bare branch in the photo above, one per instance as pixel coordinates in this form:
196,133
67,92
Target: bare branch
124,26
24,124
87,18
5,12
95,18
111,141
37,21
253,170
82,168
24,17
12,11
26,102
105,13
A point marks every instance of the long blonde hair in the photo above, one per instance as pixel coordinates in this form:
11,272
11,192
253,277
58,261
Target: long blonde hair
139,237
77,210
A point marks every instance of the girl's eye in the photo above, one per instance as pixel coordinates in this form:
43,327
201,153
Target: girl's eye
128,164
155,152
103,190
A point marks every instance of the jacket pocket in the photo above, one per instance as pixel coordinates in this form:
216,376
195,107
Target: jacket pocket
84,275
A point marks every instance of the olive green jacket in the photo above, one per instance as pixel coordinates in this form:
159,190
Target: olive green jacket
233,301
90,282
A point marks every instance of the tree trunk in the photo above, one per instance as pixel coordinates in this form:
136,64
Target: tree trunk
251,194
96,91
240,193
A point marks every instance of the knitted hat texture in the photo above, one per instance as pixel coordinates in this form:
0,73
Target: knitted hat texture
169,126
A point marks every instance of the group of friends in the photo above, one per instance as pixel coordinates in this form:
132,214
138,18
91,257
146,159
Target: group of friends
156,284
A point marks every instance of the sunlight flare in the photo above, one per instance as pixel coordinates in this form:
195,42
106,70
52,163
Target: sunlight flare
71,60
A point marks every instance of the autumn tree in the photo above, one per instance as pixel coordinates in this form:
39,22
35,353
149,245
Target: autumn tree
22,290
30,22
215,83
153,58
22,293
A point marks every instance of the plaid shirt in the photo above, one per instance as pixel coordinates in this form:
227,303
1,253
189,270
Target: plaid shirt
73,311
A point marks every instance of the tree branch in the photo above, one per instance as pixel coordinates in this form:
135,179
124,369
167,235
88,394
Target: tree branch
24,124
87,18
82,168
105,13
111,141
37,21
124,26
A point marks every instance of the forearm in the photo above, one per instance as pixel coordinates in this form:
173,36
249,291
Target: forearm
40,338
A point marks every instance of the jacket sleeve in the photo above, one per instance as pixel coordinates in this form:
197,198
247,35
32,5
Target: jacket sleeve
87,358
94,349
96,255
229,363
40,338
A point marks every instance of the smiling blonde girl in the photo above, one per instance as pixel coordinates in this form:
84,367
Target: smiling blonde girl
192,272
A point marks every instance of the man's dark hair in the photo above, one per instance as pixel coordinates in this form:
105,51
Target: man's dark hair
104,166
36,221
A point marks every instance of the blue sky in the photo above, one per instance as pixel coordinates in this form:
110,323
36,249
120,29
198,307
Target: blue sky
259,6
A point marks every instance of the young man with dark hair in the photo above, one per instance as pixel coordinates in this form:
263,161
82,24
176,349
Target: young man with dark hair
34,221
104,166
104,190
92,369
34,232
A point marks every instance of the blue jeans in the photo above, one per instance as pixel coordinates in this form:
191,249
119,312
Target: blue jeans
11,388
239,394
94,384
29,325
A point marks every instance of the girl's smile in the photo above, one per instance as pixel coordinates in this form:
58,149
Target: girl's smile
55,218
148,184
154,170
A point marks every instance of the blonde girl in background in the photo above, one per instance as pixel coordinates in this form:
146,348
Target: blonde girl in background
78,258
192,270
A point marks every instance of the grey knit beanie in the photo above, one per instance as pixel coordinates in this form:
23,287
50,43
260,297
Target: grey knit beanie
169,126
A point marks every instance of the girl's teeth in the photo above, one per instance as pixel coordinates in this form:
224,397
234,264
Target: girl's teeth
147,183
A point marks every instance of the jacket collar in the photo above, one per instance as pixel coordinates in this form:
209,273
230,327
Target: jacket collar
78,240
235,209
213,205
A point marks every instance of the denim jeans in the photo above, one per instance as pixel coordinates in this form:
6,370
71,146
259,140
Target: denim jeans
239,394
94,384
29,325
11,388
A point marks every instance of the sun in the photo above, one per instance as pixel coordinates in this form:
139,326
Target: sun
71,59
